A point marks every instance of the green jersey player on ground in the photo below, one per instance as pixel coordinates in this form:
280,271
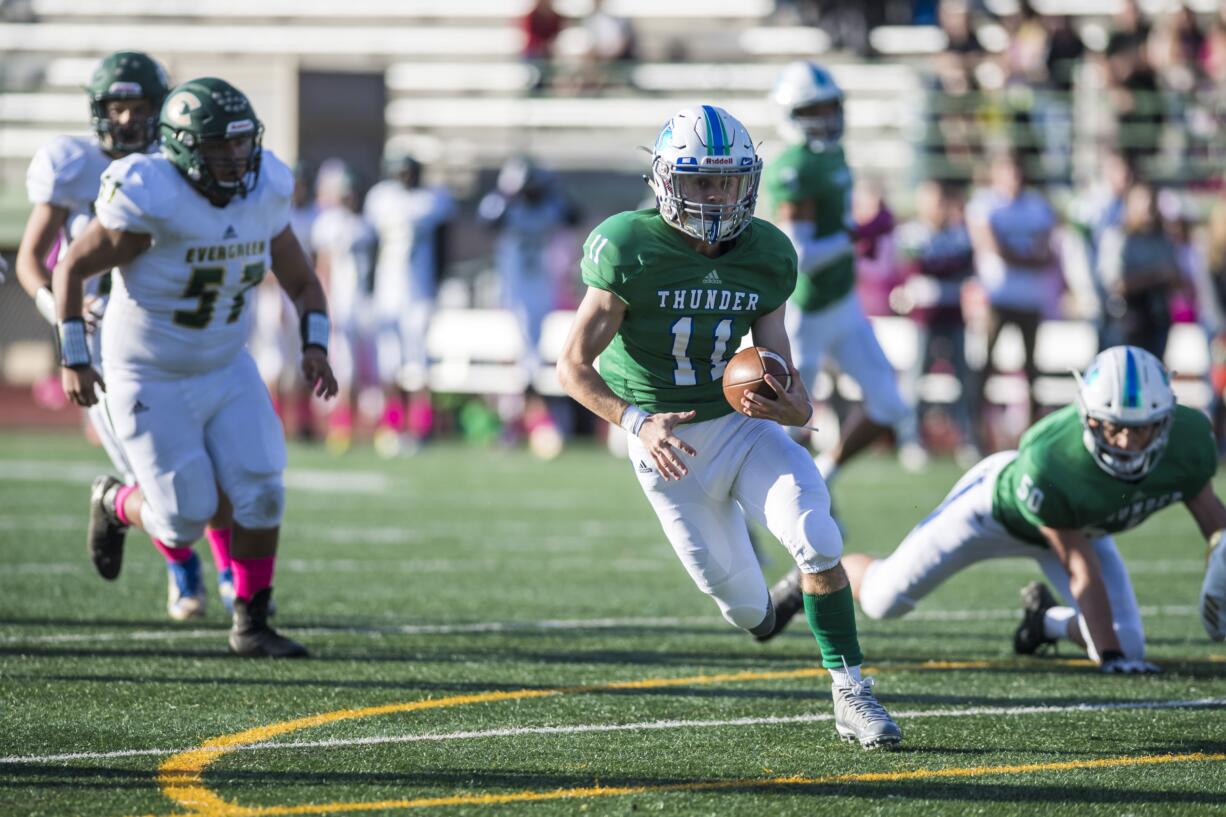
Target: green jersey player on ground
1083,473
672,292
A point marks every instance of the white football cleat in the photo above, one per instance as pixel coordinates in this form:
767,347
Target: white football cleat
1213,594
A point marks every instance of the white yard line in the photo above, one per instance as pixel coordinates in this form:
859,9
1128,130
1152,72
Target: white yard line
641,726
714,624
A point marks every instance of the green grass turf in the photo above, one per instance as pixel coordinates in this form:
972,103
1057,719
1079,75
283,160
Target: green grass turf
458,536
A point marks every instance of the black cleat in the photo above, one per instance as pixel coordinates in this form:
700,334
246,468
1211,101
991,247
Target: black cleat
1029,636
104,540
788,599
251,636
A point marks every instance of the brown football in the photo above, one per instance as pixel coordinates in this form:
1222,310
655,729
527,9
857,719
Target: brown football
744,373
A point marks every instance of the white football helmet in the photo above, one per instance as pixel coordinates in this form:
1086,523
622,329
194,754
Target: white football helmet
705,173
809,104
1130,387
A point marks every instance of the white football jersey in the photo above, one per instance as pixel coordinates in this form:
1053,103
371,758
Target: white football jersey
349,242
405,220
66,172
182,306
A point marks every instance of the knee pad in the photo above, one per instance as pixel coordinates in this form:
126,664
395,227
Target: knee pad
816,542
743,600
879,600
260,502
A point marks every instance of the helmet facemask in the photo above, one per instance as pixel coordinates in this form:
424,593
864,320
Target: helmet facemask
709,203
819,125
136,137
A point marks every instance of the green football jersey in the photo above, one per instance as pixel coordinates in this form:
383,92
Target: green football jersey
1054,481
823,178
685,313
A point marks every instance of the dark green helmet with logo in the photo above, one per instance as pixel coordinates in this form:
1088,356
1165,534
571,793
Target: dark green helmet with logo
207,113
126,75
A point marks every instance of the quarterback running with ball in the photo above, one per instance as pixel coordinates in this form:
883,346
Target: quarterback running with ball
192,232
1104,465
672,290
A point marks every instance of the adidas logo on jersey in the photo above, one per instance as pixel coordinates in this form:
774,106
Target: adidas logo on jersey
139,408
230,233
643,468
712,278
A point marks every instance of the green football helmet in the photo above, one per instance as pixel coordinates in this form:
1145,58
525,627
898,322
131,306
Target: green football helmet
204,116
126,75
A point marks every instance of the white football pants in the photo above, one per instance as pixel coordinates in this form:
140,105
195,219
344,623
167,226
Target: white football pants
961,532
843,331
743,466
101,421
185,435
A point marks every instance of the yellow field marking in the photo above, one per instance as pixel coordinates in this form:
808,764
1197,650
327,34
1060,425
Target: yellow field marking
181,776
712,785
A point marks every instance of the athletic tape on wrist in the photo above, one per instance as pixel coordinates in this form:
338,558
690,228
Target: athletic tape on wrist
315,329
45,302
74,351
632,419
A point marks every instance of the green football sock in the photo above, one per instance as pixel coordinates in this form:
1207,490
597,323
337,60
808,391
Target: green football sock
832,620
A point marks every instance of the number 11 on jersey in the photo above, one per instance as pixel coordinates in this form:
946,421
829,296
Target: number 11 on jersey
682,329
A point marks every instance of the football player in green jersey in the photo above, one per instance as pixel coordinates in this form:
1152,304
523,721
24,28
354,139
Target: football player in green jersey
672,290
1104,465
808,188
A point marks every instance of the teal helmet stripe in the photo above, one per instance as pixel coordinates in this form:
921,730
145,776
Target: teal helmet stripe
717,141
1132,381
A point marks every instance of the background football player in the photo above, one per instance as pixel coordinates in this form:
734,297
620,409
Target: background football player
1104,465
672,290
191,232
411,220
126,91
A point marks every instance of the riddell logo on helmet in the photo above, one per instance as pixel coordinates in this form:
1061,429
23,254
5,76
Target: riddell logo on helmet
124,89
717,160
240,127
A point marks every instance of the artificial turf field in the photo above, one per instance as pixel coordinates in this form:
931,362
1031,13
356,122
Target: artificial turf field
495,635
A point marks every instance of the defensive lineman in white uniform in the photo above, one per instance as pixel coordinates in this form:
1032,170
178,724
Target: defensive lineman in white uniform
126,90
192,232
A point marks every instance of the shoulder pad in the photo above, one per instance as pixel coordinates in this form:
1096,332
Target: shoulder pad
276,174
56,164
137,190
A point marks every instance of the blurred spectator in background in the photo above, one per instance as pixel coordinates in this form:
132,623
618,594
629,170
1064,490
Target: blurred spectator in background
1139,267
876,265
1011,227
411,220
1133,89
936,260
610,47
1216,258
275,339
1064,52
541,26
953,100
1097,209
345,245
528,209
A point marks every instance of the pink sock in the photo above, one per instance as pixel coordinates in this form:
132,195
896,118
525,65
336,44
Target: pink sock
252,575
173,554
121,498
219,541
393,417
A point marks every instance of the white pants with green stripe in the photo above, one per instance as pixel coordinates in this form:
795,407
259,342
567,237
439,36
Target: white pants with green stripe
743,466
962,532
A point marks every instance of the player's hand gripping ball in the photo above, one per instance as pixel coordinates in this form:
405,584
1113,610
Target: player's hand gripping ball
746,371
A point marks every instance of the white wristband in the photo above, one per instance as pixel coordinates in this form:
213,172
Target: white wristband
44,301
633,418
73,349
